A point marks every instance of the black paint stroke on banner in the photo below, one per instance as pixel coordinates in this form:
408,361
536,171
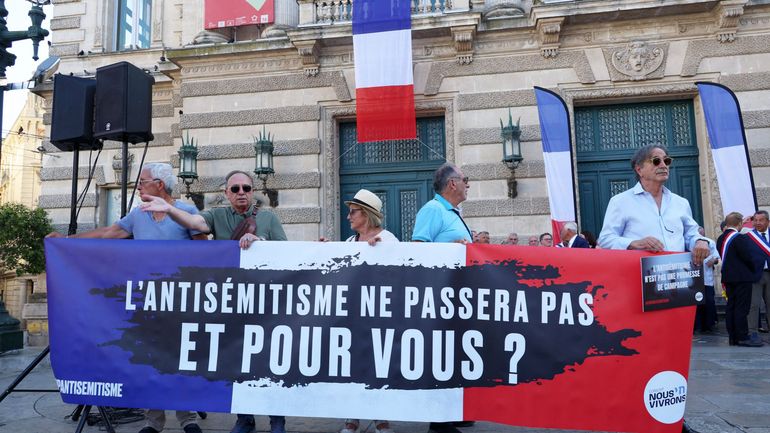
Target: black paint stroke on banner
551,348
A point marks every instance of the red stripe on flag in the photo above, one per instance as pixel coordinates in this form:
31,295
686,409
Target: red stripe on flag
385,113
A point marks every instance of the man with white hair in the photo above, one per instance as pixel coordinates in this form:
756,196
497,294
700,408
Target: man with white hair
156,179
570,238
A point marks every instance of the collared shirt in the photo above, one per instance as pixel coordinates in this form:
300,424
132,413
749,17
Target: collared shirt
141,225
633,215
222,221
438,221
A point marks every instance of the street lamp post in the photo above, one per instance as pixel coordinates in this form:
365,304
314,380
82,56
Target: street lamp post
10,332
35,32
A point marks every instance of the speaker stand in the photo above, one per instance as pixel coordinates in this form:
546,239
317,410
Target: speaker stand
73,228
124,180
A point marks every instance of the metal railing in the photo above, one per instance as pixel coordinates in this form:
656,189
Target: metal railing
332,11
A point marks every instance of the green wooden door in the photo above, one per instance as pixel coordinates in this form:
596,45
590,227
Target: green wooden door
606,138
400,172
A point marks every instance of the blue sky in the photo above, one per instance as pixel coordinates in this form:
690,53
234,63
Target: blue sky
25,66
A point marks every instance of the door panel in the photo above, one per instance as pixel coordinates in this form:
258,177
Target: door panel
400,172
608,136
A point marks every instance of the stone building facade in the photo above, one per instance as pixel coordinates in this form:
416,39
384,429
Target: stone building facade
626,69
24,296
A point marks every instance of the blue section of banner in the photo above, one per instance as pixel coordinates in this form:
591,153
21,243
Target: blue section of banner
554,122
723,119
76,300
371,16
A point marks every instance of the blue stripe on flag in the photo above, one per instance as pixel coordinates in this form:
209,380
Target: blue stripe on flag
554,122
723,119
371,16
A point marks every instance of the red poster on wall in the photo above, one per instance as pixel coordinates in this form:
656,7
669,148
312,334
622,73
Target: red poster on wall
232,13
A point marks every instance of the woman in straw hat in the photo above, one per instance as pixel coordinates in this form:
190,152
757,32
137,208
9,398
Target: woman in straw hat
365,217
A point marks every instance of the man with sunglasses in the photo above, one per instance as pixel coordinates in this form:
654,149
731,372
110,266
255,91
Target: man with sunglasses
650,217
222,222
439,220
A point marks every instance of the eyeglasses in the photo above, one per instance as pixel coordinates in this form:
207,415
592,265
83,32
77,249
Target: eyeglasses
657,160
235,189
144,182
464,179
352,211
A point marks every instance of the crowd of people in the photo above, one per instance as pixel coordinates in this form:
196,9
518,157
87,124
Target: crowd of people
646,217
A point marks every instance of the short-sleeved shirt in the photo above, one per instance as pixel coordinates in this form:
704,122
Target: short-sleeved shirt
222,221
438,221
142,225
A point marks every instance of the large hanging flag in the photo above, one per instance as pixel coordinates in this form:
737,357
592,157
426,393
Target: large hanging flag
557,155
382,46
728,148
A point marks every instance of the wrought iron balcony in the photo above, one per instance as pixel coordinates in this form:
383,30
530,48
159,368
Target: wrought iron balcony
341,11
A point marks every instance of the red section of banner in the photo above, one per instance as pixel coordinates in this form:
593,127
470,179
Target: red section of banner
233,13
607,392
385,113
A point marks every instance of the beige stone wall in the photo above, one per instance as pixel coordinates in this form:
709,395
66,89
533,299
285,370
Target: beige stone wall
471,66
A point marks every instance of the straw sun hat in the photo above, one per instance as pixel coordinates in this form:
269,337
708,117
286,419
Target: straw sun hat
367,200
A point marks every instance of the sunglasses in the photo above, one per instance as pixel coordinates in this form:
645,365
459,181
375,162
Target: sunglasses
144,182
236,188
657,160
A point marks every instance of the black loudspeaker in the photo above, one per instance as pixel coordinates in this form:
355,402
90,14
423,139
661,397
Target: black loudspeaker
72,120
123,103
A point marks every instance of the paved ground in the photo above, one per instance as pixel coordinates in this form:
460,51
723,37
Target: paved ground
729,392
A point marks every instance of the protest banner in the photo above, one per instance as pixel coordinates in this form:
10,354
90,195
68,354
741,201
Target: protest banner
540,337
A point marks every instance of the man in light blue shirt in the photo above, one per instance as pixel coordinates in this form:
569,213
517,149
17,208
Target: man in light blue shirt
649,216
439,220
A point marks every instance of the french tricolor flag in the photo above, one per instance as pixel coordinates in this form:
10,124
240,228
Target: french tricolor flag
557,156
728,148
382,46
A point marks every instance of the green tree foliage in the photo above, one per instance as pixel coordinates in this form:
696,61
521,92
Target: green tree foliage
21,238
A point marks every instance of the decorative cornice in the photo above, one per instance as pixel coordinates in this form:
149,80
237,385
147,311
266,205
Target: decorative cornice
309,51
463,41
728,13
250,117
335,79
572,95
549,30
700,49
528,62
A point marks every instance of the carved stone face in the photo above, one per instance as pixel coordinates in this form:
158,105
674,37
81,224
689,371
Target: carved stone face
637,57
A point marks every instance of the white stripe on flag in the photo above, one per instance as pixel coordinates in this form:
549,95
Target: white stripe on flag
734,180
383,59
558,175
345,400
326,255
